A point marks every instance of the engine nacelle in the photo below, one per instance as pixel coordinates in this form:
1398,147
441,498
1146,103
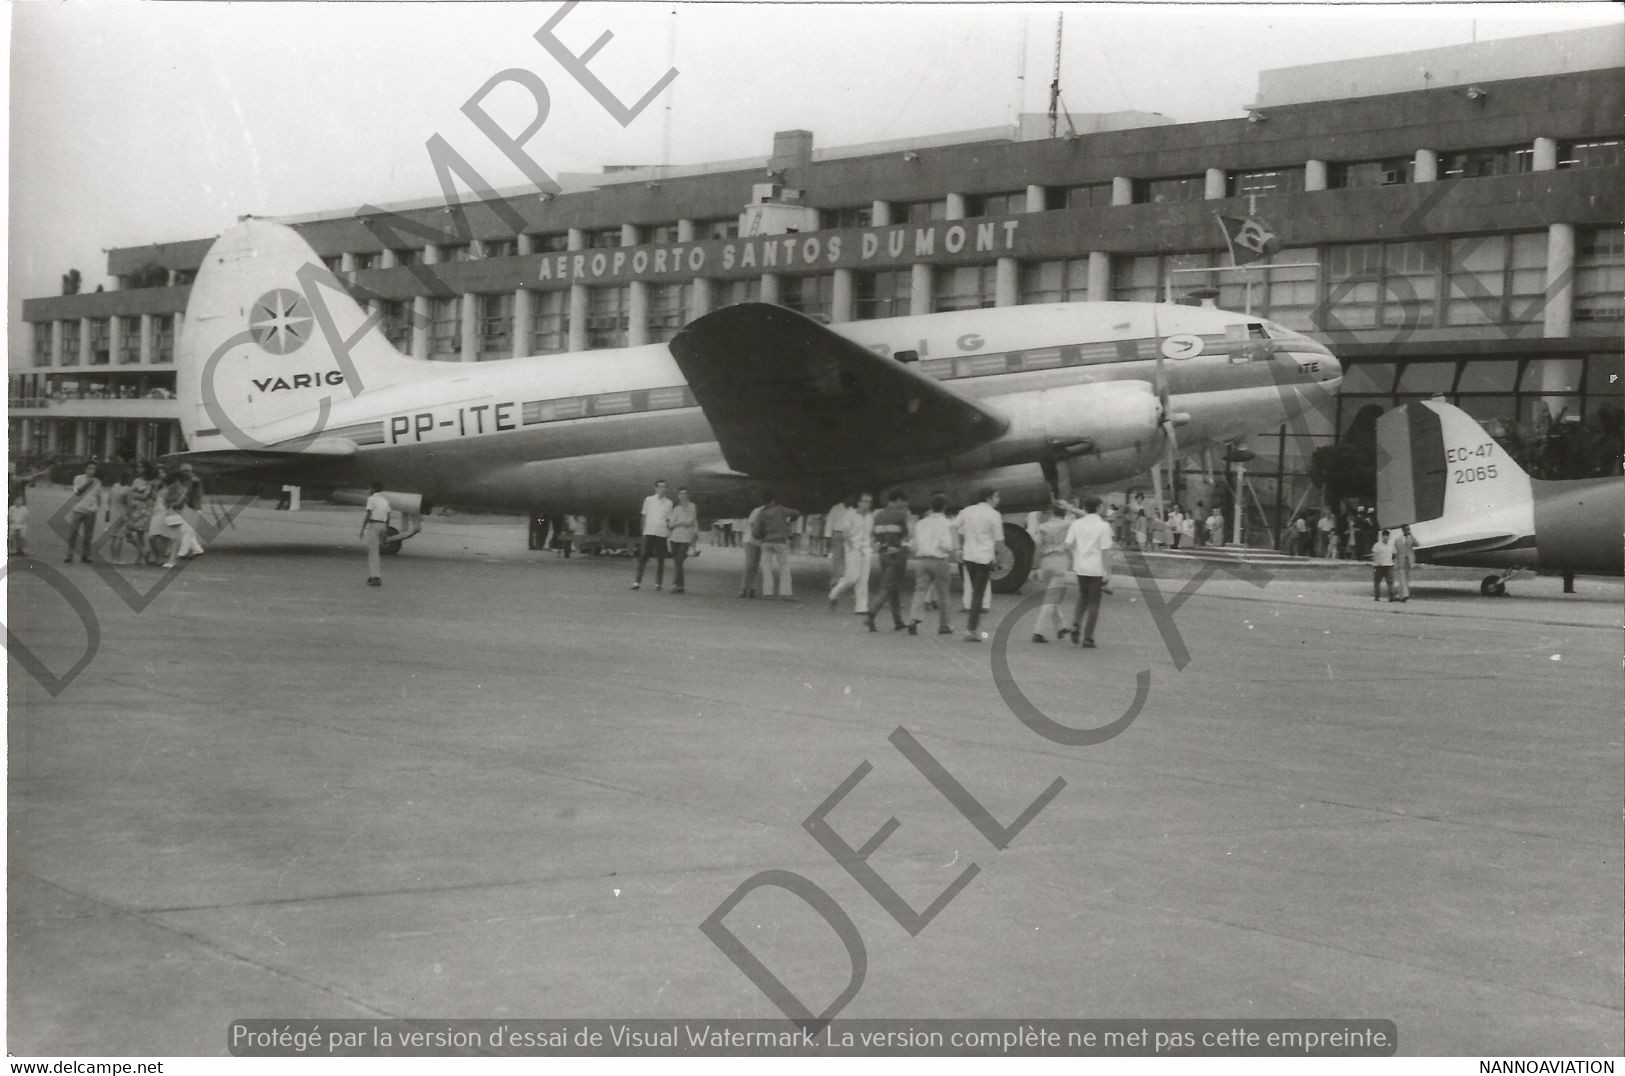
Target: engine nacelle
410,503
1112,419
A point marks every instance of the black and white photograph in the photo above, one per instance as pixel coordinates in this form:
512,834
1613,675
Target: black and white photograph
611,532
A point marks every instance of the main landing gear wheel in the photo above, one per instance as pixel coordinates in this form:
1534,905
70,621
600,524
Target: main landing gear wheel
390,546
1493,585
1012,567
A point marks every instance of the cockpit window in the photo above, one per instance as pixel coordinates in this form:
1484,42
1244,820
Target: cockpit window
1256,331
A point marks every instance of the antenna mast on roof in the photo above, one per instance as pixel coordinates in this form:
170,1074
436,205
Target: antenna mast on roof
1056,105
671,90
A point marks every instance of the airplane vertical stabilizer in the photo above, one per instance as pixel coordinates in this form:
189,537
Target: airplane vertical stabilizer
257,364
1442,473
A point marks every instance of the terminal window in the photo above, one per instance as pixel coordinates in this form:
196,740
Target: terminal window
920,212
42,343
500,248
163,338
550,321
996,205
1265,181
446,328
881,294
1591,153
742,291
1382,173
495,325
608,318
1174,189
604,237
1495,279
967,287
70,341
718,229
852,216
1083,196
129,341
1061,281
810,295
1500,161
396,322
668,310
550,242
1599,274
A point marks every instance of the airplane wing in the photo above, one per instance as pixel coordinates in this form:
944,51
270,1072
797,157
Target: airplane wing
788,397
222,460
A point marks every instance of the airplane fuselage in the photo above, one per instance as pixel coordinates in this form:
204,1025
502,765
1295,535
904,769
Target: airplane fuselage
588,432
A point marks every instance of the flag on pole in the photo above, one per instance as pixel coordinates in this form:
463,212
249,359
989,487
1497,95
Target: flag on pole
1250,239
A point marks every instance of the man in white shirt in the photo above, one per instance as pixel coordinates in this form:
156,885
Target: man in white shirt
373,525
1088,540
1382,567
835,532
859,551
89,501
656,529
981,536
1404,561
933,550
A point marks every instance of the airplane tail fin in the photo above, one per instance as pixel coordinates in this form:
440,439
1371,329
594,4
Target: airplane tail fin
272,341
1437,466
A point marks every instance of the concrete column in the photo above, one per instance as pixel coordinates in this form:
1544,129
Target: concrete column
637,313
575,239
840,296
1122,190
879,214
420,326
700,297
1215,185
387,259
1006,289
115,337
1559,312
431,254
770,287
685,230
578,305
1314,175
141,440
629,235
1545,155
956,206
347,262
81,438
471,326
1037,198
1100,276
56,343
521,323
147,337
919,289
84,341
1426,168
524,245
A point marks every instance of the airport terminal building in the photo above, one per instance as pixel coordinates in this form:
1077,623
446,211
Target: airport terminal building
1449,222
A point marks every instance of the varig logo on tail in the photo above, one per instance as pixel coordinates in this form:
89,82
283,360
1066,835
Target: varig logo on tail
280,321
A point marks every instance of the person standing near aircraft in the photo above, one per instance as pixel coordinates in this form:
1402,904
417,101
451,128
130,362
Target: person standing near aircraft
1382,567
981,536
892,527
1404,561
753,552
1326,526
934,550
859,549
374,522
835,532
89,501
685,528
656,529
1088,540
1215,527
773,527
1054,566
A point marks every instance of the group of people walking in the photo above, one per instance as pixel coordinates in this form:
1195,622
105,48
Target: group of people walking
144,510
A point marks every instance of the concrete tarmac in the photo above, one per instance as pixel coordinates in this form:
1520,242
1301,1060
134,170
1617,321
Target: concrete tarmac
503,785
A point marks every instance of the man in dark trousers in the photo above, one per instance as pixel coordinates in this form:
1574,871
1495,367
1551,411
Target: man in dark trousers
892,527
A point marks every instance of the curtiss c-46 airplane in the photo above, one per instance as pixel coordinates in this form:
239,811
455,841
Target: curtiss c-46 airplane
284,378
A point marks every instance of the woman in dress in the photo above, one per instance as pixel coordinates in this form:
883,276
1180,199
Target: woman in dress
138,511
